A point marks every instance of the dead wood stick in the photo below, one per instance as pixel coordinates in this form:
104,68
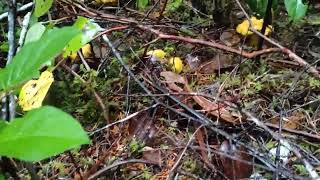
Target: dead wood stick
103,171
208,43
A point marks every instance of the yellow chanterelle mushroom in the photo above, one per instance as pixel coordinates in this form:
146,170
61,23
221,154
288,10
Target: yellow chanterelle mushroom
176,64
156,55
243,28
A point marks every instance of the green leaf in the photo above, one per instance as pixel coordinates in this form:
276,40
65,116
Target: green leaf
296,9
174,5
29,59
41,133
35,33
80,22
3,124
2,177
4,46
89,30
42,7
33,20
302,170
260,6
142,3
73,46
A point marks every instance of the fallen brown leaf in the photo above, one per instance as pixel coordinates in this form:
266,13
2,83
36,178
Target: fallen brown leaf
216,109
152,155
230,38
219,61
291,122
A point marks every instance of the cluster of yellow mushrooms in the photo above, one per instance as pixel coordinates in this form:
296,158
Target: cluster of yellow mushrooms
175,63
257,24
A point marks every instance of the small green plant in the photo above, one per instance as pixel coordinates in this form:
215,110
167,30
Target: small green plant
173,5
259,6
59,166
190,165
45,131
4,46
136,146
141,4
146,174
314,83
301,169
3,8
295,8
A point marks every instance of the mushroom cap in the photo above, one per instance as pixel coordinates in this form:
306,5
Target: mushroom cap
257,24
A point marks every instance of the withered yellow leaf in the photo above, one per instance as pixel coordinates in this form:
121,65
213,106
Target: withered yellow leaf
34,91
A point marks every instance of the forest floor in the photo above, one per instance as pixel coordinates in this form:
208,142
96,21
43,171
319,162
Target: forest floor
233,112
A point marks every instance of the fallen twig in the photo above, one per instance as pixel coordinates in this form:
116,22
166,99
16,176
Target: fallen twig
174,167
122,120
100,161
22,8
103,171
312,172
300,133
208,43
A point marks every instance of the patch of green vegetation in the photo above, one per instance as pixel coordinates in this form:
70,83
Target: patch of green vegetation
3,7
190,165
136,146
169,48
251,86
182,12
54,165
75,97
254,80
86,161
300,169
173,128
230,81
4,46
314,83
147,174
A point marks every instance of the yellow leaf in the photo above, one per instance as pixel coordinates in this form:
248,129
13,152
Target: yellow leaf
176,64
156,55
34,91
243,28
